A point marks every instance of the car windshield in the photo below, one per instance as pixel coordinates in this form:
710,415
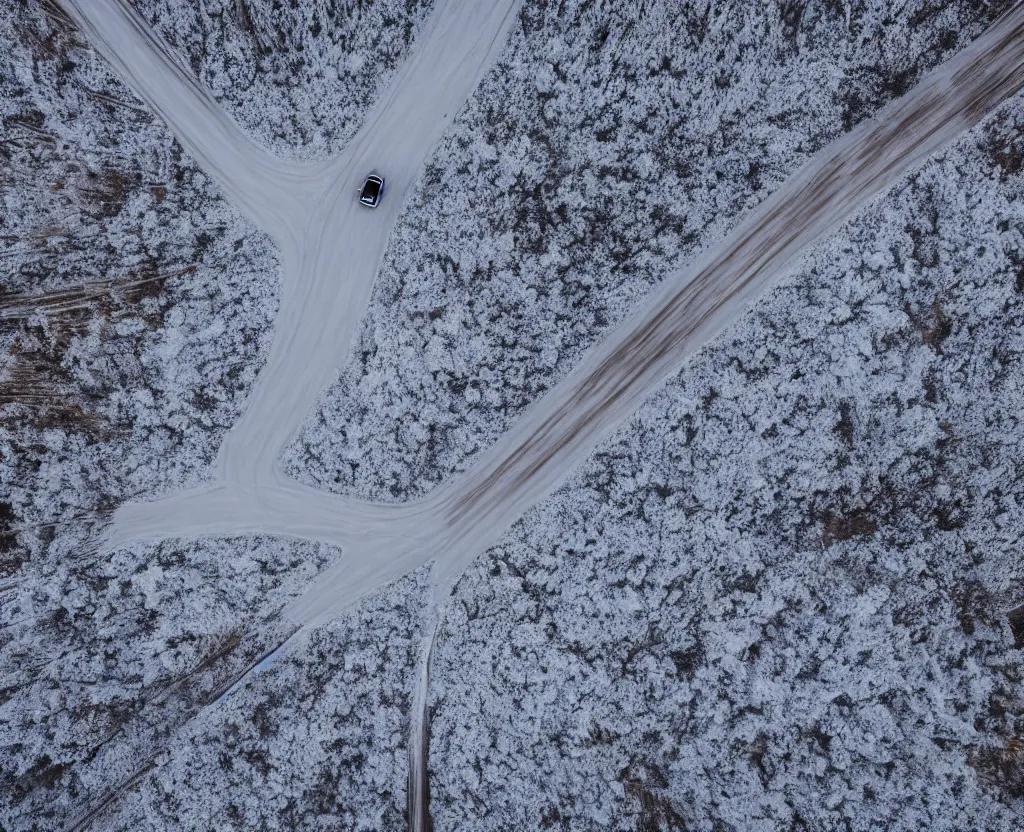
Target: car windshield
371,189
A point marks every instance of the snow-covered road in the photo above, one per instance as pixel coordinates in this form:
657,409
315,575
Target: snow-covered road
331,250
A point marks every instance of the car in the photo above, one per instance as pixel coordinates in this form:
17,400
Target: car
372,191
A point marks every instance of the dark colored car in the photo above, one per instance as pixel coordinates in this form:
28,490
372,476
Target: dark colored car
372,191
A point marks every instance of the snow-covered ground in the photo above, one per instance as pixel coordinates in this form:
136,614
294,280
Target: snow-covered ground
778,599
609,146
297,76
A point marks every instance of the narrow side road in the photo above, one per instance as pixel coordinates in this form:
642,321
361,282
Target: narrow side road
263,187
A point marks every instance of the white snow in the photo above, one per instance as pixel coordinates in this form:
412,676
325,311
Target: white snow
770,596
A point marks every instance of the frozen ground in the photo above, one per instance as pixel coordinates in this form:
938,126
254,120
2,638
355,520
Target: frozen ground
778,599
609,146
297,76
787,579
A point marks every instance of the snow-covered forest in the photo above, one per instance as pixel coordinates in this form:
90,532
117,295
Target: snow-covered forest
610,145
789,594
779,598
136,311
297,75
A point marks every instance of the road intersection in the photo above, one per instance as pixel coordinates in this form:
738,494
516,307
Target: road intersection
331,250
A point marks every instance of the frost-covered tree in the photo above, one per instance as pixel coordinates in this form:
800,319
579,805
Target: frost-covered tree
611,143
297,75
